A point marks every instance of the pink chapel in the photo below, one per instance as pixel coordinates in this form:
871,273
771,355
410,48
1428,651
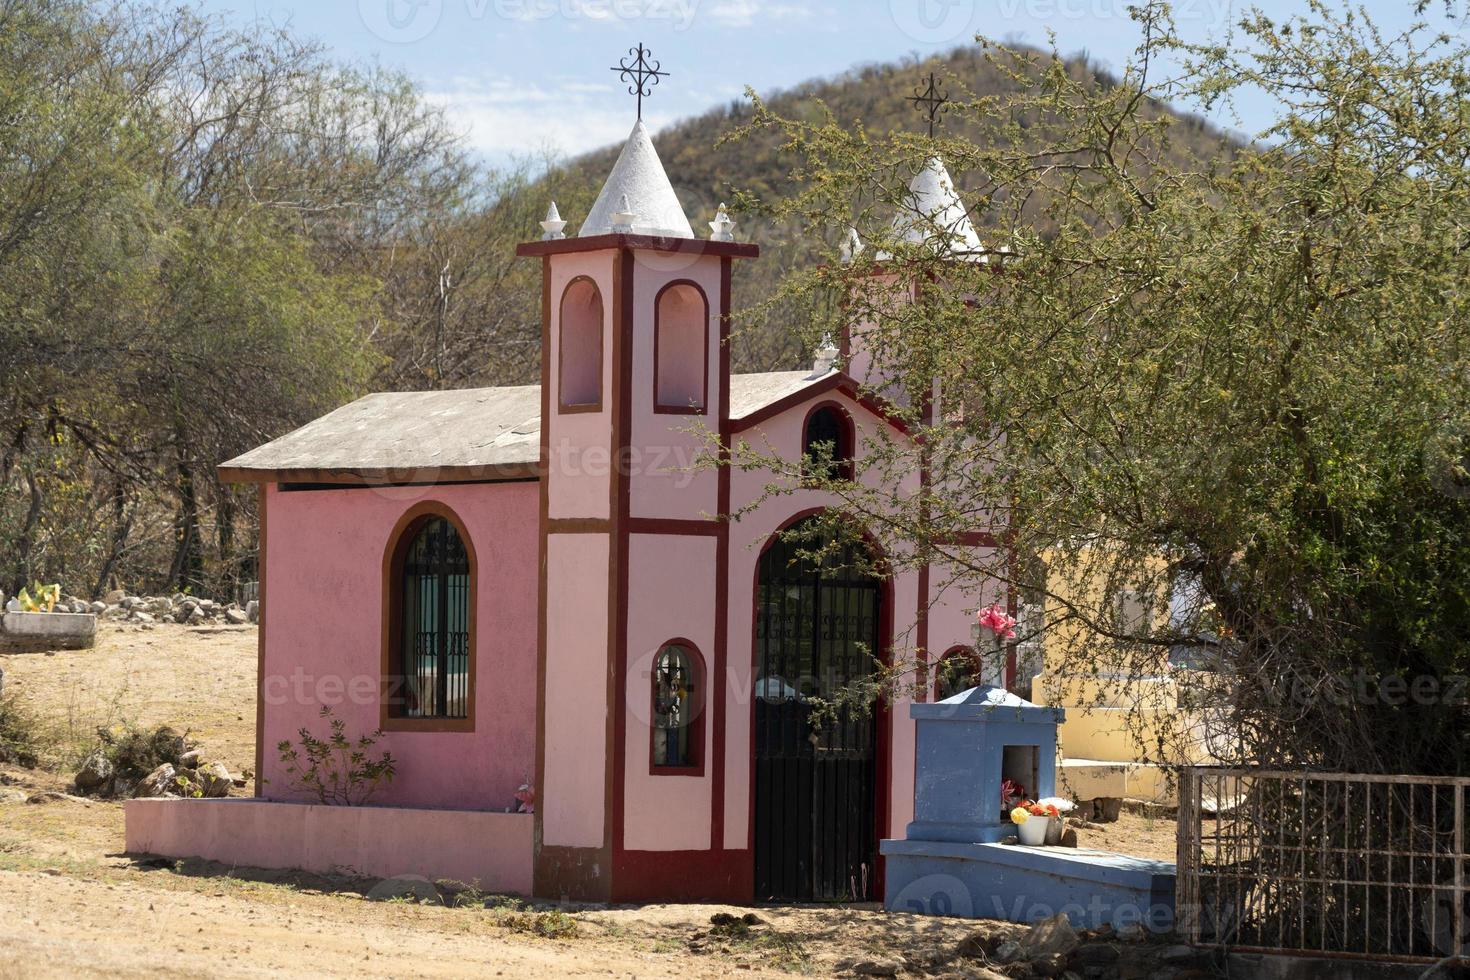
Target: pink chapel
543,608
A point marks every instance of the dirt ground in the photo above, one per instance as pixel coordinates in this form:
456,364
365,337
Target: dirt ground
72,903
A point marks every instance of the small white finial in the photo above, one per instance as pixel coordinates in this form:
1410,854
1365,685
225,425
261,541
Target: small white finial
553,225
826,356
623,217
853,247
722,229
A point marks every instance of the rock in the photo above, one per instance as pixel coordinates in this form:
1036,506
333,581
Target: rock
12,605
160,606
877,968
1177,954
1049,966
95,773
159,782
189,759
1108,808
142,617
1050,936
47,796
1007,951
9,795
416,887
97,608
114,597
1069,838
1132,932
236,616
252,611
1093,959
196,616
214,780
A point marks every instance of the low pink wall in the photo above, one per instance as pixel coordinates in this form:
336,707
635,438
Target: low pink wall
324,637
375,841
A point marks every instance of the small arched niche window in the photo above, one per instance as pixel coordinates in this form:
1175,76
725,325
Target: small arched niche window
827,444
579,347
677,683
958,670
431,597
680,352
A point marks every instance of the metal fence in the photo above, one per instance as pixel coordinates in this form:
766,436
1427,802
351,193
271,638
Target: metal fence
1323,864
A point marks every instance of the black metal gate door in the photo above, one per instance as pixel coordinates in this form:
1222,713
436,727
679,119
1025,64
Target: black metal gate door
815,777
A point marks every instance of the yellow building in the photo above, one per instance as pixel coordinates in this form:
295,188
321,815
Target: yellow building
1124,727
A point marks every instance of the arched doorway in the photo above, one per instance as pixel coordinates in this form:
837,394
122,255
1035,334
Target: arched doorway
816,778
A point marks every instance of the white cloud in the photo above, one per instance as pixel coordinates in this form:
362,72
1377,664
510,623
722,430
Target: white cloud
505,118
744,13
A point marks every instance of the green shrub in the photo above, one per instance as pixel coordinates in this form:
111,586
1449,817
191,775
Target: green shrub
135,752
19,741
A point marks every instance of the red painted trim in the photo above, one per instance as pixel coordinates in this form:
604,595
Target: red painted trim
921,629
684,876
659,408
833,382
957,650
262,505
673,525
563,406
697,740
619,509
720,679
652,243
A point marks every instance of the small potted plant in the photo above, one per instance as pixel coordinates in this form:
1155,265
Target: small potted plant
1032,821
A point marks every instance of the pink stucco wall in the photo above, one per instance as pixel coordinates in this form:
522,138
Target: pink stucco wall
491,848
664,480
324,636
675,598
748,536
580,442
573,800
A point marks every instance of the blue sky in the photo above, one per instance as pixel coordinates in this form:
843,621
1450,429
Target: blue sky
523,77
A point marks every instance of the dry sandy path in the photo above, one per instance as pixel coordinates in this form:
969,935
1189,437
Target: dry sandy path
71,904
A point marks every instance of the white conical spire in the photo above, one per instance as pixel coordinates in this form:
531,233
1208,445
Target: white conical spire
638,177
932,213
552,227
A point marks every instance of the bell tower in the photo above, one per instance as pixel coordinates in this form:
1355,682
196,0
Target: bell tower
634,389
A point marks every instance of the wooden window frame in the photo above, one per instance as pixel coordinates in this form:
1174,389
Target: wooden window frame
696,719
404,531
659,408
564,407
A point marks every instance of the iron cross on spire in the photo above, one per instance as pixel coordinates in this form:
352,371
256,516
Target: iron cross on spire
641,75
930,101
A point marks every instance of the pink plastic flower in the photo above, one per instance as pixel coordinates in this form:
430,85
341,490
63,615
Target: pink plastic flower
994,618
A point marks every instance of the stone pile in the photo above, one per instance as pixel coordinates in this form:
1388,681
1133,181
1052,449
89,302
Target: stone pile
178,608
1053,948
191,777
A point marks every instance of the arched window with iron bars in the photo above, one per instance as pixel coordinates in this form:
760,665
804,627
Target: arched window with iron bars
432,584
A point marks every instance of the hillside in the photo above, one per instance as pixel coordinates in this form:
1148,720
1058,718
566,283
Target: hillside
870,97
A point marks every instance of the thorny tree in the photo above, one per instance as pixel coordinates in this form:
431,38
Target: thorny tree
1214,407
